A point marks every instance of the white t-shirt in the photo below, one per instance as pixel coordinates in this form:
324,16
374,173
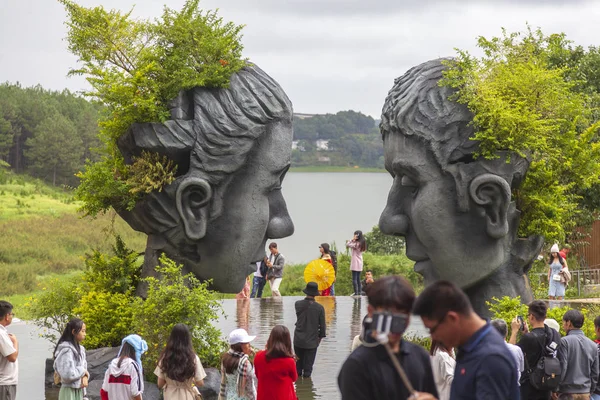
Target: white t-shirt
257,273
9,371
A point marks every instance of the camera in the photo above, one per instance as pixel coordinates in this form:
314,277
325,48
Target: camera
377,327
522,322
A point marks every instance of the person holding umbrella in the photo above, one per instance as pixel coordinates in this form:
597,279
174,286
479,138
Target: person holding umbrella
325,255
309,331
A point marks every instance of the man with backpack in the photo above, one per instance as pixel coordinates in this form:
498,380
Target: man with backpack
541,341
578,357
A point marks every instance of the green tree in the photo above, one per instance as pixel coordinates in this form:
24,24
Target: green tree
527,99
55,149
379,243
135,68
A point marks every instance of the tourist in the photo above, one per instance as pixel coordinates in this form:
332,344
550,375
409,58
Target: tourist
533,341
485,368
275,262
369,373
9,353
578,357
310,329
501,326
325,255
124,378
443,362
70,363
276,367
179,368
238,381
556,265
358,244
596,393
260,279
367,281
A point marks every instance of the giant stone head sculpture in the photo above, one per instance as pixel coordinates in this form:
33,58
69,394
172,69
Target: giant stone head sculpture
454,210
233,149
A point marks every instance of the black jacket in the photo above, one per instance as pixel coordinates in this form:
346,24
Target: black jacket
310,323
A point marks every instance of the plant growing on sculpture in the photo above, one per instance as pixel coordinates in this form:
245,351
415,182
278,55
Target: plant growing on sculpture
173,299
528,98
135,68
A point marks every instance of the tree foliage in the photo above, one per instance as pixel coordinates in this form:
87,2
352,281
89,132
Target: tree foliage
529,96
135,68
48,134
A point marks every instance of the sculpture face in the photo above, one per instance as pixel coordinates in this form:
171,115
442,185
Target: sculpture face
445,242
254,210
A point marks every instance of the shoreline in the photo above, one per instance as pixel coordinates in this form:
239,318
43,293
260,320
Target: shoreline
336,169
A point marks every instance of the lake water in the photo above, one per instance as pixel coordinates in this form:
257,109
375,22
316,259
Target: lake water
343,317
329,207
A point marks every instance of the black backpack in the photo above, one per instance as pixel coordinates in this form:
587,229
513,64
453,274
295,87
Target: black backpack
263,269
546,374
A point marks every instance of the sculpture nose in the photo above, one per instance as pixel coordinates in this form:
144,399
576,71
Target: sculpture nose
393,222
280,223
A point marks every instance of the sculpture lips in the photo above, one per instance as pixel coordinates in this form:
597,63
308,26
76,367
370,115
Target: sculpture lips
422,266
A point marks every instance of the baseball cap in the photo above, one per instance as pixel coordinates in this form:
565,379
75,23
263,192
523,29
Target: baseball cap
240,336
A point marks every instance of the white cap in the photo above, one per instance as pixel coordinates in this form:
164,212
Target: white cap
240,336
554,248
552,324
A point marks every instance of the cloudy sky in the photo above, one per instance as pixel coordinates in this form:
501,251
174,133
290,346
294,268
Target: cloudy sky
329,55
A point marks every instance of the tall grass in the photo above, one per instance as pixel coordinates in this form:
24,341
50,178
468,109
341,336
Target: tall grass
43,245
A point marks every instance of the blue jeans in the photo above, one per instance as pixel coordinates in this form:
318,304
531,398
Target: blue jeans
333,289
595,396
356,282
258,283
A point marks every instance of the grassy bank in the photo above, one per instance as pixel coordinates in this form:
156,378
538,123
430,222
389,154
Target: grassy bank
41,233
335,169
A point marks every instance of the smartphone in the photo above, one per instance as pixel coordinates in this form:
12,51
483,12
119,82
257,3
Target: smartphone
520,319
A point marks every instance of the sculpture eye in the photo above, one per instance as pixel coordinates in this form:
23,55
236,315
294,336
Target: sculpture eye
410,183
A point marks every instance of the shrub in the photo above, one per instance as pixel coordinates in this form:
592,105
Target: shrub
52,309
107,316
178,299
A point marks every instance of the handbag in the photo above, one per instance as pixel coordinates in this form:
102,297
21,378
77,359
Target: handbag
56,378
195,392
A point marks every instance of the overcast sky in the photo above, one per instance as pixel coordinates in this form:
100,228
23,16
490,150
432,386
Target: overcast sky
329,55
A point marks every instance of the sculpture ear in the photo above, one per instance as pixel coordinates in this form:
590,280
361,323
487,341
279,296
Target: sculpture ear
492,194
193,197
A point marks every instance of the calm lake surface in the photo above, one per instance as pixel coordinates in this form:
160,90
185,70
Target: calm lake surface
329,207
343,317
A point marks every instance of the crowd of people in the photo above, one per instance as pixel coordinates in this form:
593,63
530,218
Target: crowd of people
469,358
270,269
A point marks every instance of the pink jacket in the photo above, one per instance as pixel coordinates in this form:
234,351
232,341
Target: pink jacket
356,261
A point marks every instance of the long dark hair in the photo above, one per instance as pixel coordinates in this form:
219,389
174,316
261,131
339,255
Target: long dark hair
437,345
127,351
74,326
279,344
178,359
361,240
560,259
230,362
325,247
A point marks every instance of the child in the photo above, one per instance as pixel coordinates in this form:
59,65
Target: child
70,363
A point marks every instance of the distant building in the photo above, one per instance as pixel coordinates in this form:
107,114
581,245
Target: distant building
303,116
323,159
295,144
322,144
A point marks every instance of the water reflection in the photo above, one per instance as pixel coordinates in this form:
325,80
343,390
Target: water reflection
343,316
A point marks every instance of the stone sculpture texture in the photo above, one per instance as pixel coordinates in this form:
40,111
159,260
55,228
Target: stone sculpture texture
454,210
232,148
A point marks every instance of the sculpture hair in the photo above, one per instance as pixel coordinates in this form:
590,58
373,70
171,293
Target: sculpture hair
417,106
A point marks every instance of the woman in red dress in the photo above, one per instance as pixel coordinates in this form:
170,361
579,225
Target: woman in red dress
324,249
276,367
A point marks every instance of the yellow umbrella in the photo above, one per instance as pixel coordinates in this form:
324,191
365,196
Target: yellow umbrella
321,272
